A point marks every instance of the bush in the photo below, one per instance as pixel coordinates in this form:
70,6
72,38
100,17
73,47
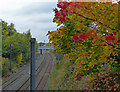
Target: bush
5,70
106,81
5,66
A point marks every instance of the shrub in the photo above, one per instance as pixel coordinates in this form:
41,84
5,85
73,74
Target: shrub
106,81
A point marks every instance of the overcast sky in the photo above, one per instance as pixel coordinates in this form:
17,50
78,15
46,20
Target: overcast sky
35,15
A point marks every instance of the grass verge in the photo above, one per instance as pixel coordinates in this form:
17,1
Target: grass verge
57,74
62,74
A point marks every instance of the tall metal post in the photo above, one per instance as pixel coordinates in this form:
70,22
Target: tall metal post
10,59
32,68
58,56
1,54
41,51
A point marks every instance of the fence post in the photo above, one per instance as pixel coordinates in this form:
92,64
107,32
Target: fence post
10,59
32,65
0,54
41,51
58,56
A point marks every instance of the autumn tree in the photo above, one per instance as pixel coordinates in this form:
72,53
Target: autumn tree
88,32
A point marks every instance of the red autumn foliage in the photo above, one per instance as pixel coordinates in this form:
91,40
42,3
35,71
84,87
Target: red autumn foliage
110,37
78,76
63,12
80,36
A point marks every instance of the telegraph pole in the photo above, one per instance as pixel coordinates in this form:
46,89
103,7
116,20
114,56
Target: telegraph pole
10,59
32,65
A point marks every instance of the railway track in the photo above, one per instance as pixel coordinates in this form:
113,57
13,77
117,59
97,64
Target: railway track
21,80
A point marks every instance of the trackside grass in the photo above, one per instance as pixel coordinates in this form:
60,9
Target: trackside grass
57,74
61,77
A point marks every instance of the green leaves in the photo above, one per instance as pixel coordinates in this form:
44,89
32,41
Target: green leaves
94,29
19,42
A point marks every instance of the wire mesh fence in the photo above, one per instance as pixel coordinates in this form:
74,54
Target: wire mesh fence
15,60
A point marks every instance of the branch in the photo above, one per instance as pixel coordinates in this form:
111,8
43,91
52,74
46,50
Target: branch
93,20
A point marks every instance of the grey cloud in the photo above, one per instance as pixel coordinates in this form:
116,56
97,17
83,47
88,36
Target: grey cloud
37,8
47,19
35,16
42,18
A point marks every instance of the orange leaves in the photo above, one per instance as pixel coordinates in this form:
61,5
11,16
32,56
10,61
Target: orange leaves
79,26
61,43
55,48
57,21
78,65
79,18
68,56
86,26
91,76
52,32
102,43
103,60
91,33
107,81
81,62
85,55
